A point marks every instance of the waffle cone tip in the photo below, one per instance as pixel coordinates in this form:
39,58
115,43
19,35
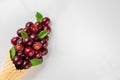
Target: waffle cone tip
9,71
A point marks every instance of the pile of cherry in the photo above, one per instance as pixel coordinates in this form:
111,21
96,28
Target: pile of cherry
30,44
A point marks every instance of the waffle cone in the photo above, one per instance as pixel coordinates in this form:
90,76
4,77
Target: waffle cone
9,71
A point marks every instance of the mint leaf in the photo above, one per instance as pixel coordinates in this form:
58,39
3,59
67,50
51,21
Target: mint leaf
42,34
24,34
36,62
39,17
12,52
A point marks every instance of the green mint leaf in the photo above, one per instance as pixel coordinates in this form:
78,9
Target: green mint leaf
12,52
39,17
36,62
42,34
24,34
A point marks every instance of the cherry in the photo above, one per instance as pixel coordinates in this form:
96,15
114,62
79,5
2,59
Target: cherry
29,24
39,25
21,54
20,41
28,51
37,45
26,64
45,44
14,40
19,67
34,36
37,54
19,32
44,51
27,41
46,20
27,30
19,47
34,28
43,25
47,28
44,40
27,58
17,60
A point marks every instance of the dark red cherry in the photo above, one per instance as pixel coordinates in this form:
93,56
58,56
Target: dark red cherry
19,67
37,45
19,32
14,40
27,41
37,54
20,41
46,20
44,51
27,58
39,25
43,25
29,51
19,47
29,24
45,44
27,30
26,64
17,60
34,29
34,36
21,54
44,40
47,28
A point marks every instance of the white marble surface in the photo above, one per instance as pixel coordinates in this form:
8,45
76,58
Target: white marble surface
85,41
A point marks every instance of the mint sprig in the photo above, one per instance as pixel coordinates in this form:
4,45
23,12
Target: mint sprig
23,34
42,34
39,17
12,52
36,62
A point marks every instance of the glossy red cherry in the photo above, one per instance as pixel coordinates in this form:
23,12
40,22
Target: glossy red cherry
21,54
39,25
29,24
17,60
44,51
27,41
19,32
44,40
27,30
27,58
26,64
45,44
34,29
14,40
34,36
20,41
37,45
19,47
29,51
43,25
37,54
46,20
47,28
19,67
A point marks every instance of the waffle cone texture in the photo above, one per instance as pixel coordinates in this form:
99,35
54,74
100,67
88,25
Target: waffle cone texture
9,71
